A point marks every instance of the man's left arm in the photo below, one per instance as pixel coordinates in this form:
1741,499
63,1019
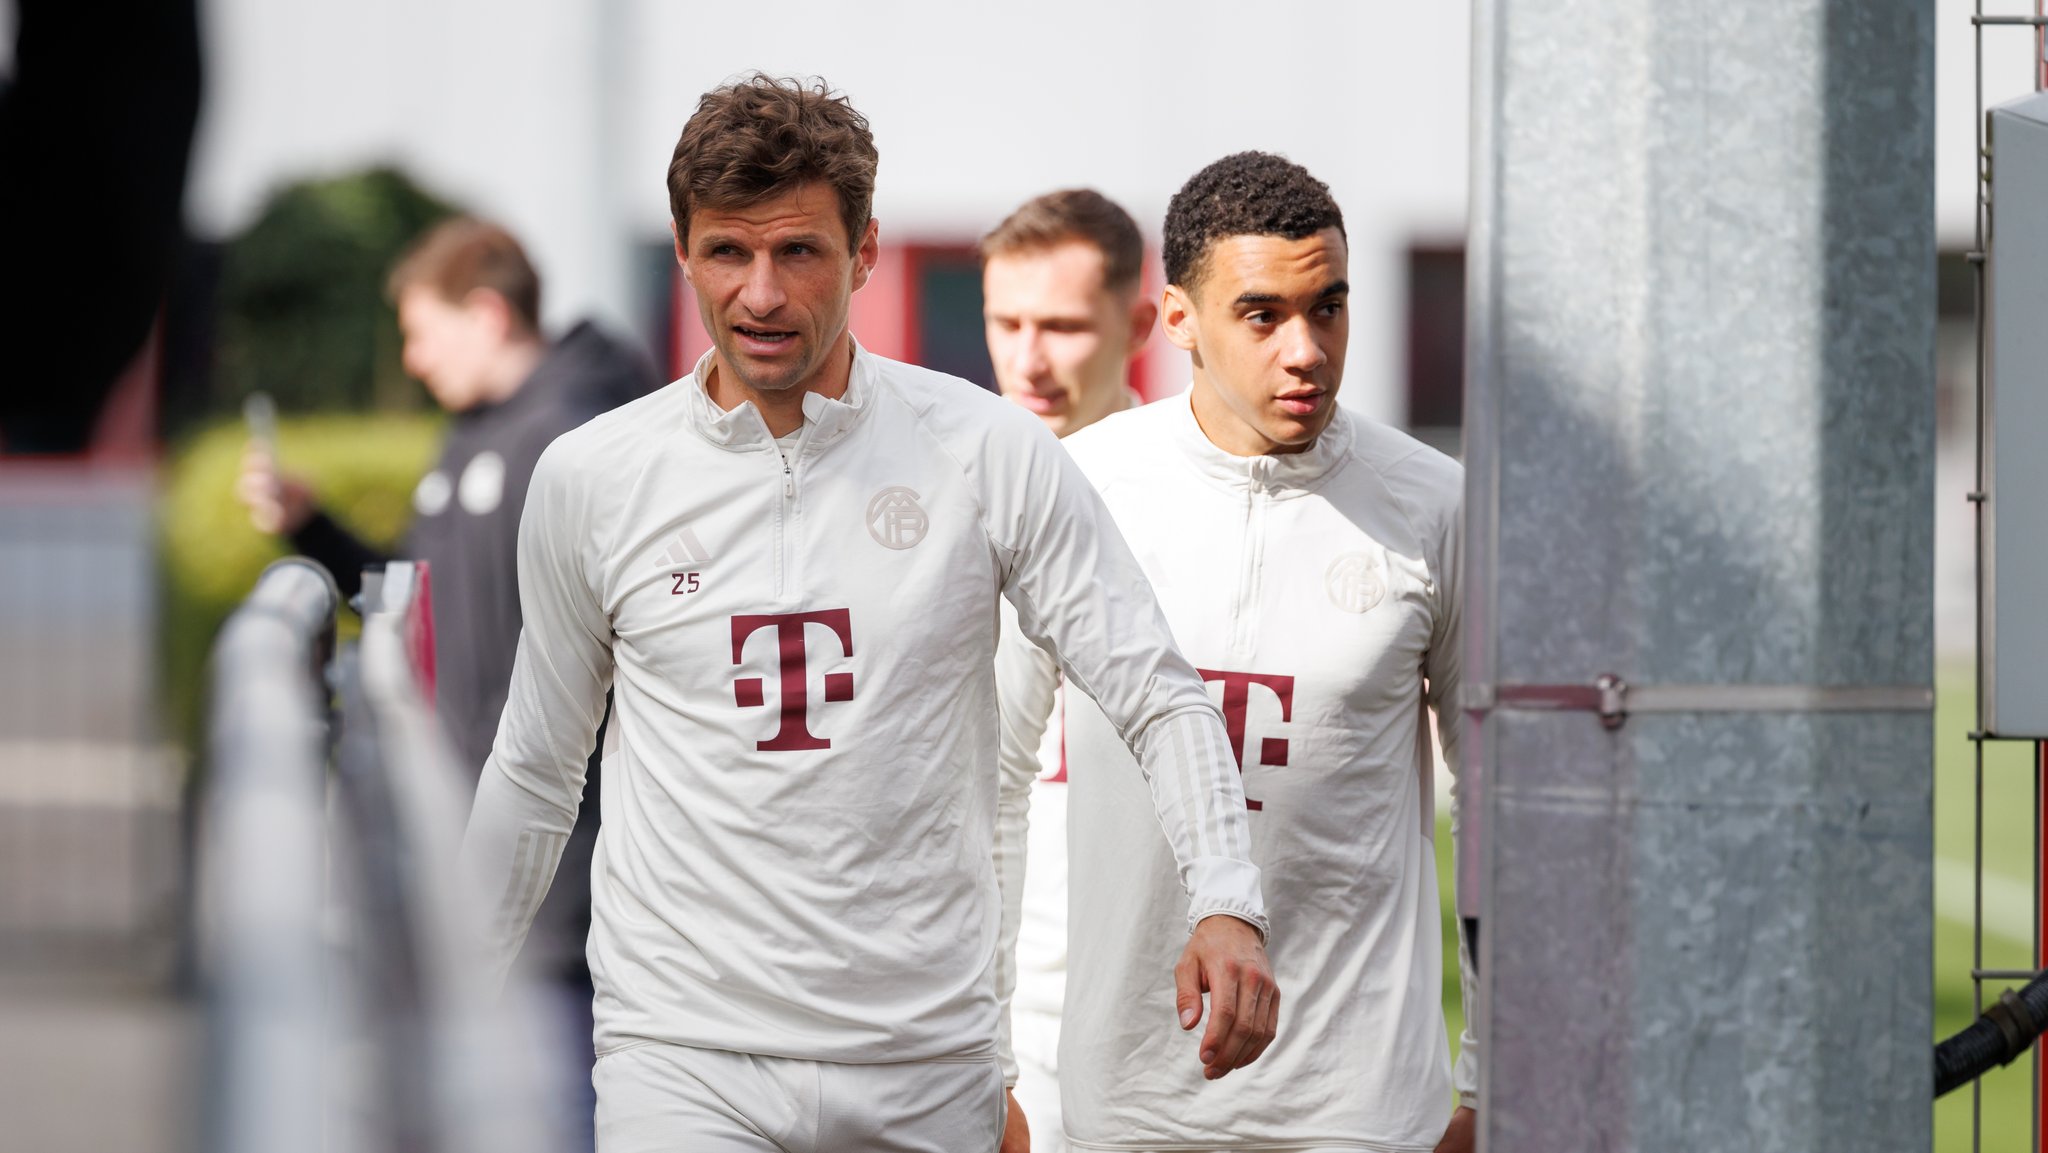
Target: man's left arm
1441,672
1080,592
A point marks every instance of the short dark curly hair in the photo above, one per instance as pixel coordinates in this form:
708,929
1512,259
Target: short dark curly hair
1245,194
758,136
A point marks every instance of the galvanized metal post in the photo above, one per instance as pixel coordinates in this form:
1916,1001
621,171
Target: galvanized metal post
1700,446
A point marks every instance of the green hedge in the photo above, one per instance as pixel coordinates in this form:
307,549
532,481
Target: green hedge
363,467
302,308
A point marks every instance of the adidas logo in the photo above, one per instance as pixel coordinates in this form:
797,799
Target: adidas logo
683,551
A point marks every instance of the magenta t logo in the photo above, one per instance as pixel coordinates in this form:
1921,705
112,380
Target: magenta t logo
795,732
1237,695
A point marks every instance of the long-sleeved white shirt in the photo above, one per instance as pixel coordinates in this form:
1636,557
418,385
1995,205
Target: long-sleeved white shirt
1032,701
801,840
1318,593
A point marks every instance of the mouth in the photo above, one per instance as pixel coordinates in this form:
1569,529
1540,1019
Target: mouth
763,340
1042,403
1303,402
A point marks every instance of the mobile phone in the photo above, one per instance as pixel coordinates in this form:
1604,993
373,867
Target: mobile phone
259,412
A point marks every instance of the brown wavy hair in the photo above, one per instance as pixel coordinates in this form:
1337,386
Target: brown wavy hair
1074,214
759,136
462,254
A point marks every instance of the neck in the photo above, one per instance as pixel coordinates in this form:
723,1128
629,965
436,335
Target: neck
1230,432
1118,398
511,368
782,409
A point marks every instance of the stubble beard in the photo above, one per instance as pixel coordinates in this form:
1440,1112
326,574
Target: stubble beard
781,381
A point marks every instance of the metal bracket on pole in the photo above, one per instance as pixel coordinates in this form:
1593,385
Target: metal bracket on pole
1613,699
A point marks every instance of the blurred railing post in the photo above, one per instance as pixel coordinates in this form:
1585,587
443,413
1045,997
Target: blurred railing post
263,866
469,1068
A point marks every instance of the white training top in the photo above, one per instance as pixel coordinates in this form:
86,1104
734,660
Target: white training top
1318,592
1032,701
801,840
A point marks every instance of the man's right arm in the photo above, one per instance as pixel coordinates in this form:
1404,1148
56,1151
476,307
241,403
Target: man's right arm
283,505
340,551
531,786
1079,590
1026,683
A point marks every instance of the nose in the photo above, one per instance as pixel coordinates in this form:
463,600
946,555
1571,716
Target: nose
762,293
1028,356
1300,351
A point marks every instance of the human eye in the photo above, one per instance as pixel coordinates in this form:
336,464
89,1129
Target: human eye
1330,308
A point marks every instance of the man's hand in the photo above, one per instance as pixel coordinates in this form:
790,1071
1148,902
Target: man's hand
1016,1134
1226,960
1460,1136
277,503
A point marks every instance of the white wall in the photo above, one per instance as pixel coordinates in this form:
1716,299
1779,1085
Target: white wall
504,105
2008,56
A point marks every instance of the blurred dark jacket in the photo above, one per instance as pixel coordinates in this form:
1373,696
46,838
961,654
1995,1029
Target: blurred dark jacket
466,527
96,125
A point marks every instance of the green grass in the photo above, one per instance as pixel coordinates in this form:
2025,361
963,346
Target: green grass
2008,905
2007,1108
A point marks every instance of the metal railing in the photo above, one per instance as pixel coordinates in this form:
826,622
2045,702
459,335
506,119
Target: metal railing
466,1066
346,1005
263,867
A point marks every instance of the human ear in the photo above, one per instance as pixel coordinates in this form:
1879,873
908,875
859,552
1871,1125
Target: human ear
867,254
1144,314
1177,317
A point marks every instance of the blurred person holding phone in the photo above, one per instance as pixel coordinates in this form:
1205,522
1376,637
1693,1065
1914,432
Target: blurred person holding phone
1065,315
468,304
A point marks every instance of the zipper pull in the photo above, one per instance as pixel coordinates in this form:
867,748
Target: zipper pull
788,481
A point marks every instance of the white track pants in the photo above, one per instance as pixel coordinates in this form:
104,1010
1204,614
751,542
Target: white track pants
658,1098
1035,1037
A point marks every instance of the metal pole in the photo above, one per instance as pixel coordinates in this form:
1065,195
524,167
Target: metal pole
263,867
1703,335
2040,71
1977,520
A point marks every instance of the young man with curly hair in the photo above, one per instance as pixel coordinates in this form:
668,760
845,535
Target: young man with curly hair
786,566
1307,560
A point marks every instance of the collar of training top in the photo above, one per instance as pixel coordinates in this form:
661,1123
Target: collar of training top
744,429
1279,475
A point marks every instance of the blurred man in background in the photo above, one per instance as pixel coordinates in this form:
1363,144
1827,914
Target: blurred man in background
1066,315
1308,562
468,304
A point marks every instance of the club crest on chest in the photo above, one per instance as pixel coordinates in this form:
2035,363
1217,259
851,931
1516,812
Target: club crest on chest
1357,581
895,518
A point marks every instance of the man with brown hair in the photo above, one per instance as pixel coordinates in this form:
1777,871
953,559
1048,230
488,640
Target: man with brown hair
786,568
1065,314
469,311
1063,306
